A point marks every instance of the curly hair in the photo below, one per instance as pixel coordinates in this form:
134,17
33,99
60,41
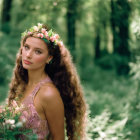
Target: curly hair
64,76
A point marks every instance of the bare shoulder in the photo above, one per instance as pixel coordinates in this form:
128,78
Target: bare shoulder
49,94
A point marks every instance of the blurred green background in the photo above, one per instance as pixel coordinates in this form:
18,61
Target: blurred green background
104,39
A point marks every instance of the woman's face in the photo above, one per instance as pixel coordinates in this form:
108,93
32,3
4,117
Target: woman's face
34,54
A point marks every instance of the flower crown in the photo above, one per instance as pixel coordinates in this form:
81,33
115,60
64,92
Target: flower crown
43,34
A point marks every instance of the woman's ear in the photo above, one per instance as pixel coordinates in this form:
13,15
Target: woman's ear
49,59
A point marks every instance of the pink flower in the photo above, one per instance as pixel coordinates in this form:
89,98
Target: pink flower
46,34
14,104
40,35
29,33
56,36
52,38
1,109
43,30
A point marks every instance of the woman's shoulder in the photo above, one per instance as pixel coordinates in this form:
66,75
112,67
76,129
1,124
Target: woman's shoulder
49,92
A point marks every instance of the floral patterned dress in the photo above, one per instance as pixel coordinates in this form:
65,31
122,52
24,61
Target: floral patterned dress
33,120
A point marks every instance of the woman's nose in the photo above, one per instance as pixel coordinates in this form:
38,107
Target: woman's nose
29,54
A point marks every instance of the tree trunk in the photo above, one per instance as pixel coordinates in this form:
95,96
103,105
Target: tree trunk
6,17
71,25
120,11
97,46
124,28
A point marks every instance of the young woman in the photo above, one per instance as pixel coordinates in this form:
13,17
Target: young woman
46,83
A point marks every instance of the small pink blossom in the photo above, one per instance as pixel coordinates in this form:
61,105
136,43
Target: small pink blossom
46,34
56,36
40,35
52,38
14,104
43,30
29,33
1,109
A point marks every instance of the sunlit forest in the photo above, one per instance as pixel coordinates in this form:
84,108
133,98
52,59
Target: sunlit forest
103,37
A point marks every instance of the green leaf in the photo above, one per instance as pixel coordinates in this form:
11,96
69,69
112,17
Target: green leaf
31,29
50,33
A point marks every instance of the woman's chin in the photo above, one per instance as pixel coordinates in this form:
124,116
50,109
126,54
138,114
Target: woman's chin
26,67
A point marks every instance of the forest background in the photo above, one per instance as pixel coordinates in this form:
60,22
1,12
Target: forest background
104,39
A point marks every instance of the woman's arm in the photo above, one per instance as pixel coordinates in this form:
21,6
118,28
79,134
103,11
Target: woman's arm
54,111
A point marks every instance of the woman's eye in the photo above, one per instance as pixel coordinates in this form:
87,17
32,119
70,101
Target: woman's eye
38,52
26,47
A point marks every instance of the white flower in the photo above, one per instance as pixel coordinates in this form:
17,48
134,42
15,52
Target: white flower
17,109
102,134
12,126
39,25
19,124
35,28
10,121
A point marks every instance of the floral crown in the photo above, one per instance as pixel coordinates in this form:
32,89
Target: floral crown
43,34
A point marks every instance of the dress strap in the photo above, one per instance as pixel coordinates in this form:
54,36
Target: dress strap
36,89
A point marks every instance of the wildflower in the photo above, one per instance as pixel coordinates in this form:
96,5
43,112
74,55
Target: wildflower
1,109
9,121
19,124
52,38
43,30
35,28
56,36
39,25
29,33
14,103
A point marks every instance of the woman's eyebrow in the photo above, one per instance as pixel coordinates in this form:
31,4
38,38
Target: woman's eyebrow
34,47
38,48
26,44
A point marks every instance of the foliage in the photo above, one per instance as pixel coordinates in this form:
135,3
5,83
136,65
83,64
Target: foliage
133,124
102,127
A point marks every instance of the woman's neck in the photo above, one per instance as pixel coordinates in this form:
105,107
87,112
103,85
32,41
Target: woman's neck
35,76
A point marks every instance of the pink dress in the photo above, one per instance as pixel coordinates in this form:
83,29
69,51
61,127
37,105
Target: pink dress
33,120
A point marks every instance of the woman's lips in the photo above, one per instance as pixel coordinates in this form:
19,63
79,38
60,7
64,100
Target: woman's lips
27,62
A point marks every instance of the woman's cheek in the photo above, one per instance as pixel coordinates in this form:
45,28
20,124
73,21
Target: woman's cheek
41,59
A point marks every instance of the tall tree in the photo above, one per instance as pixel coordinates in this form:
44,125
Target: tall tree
120,12
97,45
101,16
6,17
71,24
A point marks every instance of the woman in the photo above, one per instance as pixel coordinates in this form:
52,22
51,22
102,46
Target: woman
46,82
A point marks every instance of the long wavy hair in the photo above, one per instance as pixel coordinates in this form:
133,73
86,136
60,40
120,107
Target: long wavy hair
62,72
